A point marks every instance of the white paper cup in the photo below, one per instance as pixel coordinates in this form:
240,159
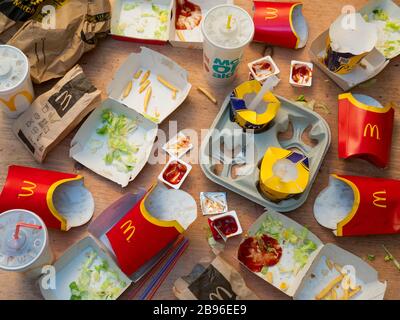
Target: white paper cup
16,91
223,48
31,261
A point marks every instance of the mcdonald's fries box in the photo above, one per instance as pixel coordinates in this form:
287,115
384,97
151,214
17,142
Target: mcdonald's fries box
385,16
126,241
160,21
280,23
359,206
151,84
60,199
365,129
294,260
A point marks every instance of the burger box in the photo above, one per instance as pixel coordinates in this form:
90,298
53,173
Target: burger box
60,199
161,99
67,266
315,275
132,107
192,39
370,66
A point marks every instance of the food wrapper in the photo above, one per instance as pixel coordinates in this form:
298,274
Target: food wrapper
280,23
359,206
13,11
365,130
54,44
249,119
150,226
283,174
54,114
213,281
213,202
60,199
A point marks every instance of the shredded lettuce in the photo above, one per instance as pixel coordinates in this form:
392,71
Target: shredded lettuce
380,14
96,281
392,26
117,128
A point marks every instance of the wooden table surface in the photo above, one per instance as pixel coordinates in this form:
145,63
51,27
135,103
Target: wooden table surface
197,112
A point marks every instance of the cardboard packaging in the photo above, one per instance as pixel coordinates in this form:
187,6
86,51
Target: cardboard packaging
306,268
60,199
375,61
365,129
127,22
359,206
133,234
280,23
162,102
249,119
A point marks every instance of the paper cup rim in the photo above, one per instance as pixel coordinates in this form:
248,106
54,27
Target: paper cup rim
223,47
23,267
26,68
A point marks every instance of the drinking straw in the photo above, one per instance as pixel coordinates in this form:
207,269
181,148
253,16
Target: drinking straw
143,281
25,225
268,85
173,263
168,270
228,23
158,278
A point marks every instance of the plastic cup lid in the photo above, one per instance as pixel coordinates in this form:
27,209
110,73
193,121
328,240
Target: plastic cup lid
13,67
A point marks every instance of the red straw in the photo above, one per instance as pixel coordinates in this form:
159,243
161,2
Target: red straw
25,225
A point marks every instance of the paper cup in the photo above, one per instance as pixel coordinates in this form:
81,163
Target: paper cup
222,47
34,250
16,91
350,40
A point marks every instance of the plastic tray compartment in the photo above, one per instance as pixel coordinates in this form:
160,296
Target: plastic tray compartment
305,123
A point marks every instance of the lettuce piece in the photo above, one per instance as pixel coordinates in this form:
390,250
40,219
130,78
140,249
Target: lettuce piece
380,14
392,26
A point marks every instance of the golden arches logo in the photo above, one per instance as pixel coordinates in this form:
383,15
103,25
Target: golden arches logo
271,13
217,295
28,189
128,228
10,104
380,199
372,129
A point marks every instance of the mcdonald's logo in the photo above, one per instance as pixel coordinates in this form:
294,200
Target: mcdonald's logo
380,199
218,296
128,228
66,99
27,189
372,130
271,13
10,104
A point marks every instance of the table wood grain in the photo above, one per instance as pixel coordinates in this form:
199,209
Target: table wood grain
197,113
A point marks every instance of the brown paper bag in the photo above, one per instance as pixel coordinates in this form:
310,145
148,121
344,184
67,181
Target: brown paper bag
12,11
215,281
55,46
54,114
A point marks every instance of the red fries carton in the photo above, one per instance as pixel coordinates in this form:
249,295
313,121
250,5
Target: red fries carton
356,206
60,199
150,226
280,23
365,129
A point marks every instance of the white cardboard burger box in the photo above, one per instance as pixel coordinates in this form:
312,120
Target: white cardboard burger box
82,151
192,39
161,102
370,66
311,279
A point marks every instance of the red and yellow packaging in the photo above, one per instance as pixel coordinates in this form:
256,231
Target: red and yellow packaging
365,131
280,23
33,189
375,207
139,236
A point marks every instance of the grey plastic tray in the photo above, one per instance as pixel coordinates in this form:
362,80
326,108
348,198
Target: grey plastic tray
247,185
